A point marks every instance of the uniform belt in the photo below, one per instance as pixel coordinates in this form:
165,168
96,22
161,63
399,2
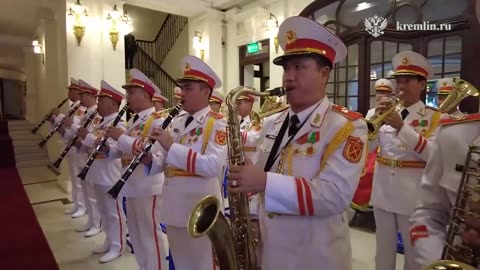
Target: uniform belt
249,148
172,172
395,163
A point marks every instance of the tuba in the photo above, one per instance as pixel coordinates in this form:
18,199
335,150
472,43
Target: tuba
461,90
233,244
376,122
457,255
270,106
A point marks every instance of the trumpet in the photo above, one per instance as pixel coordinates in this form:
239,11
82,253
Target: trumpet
59,125
54,167
115,190
99,147
234,244
376,122
457,255
47,116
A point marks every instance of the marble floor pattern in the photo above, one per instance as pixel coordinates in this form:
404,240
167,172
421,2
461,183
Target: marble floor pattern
73,252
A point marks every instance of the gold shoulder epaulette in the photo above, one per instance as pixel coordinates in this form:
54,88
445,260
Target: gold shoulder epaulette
216,115
346,112
467,118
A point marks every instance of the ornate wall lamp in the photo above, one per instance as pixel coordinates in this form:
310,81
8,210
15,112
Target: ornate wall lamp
78,12
119,23
272,24
38,49
198,44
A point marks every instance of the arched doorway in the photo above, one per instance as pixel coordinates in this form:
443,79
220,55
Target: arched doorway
451,52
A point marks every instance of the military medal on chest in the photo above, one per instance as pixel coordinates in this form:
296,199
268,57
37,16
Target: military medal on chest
306,144
194,134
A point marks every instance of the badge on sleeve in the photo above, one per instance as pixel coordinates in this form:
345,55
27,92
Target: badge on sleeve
221,137
353,149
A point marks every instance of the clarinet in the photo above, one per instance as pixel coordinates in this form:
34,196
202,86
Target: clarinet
115,190
97,149
54,166
47,116
57,126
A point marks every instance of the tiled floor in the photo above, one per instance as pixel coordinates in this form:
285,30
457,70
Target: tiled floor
72,251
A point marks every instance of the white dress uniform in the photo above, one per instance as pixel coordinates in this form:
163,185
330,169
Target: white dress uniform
93,222
439,186
191,172
312,182
77,196
143,192
307,200
103,174
400,162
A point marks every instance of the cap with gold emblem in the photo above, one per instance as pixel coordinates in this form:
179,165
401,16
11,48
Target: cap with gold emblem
301,36
411,63
444,86
138,79
106,90
217,97
248,97
85,88
195,69
384,85
73,84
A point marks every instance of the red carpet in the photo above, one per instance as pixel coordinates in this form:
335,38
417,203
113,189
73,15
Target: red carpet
23,245
7,157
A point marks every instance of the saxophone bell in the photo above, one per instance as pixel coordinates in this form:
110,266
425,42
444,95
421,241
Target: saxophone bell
207,219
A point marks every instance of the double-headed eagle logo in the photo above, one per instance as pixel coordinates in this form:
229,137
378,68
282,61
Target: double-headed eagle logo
375,25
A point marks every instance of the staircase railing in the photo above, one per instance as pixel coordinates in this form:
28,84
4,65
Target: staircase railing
159,48
143,62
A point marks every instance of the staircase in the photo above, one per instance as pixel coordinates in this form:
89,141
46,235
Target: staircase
25,144
151,54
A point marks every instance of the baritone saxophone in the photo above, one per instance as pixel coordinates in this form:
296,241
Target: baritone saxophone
234,243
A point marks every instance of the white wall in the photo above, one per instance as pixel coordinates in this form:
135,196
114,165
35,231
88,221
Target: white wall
146,22
95,60
171,64
242,26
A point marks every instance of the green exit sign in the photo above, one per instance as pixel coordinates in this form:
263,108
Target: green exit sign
254,47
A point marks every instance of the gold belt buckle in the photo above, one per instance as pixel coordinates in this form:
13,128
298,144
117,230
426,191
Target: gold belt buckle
169,172
393,163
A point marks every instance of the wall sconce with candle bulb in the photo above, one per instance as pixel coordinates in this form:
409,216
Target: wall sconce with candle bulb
38,49
198,44
79,13
272,24
119,24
